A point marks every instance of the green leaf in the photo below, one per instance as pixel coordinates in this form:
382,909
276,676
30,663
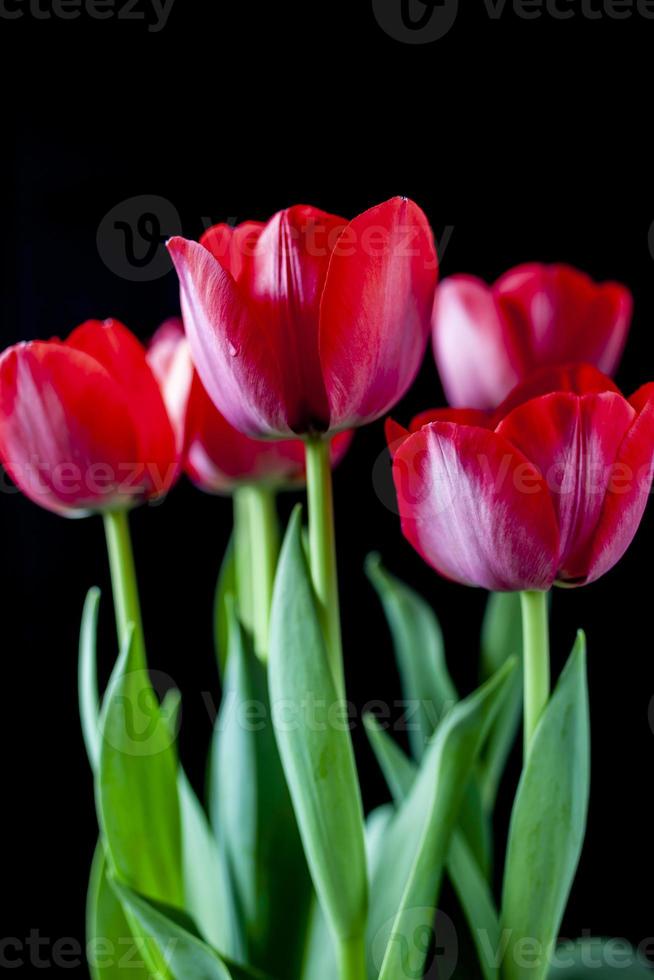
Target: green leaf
601,959
420,655
469,882
253,817
185,953
501,638
111,949
548,822
87,677
225,587
406,878
314,741
207,894
419,651
136,784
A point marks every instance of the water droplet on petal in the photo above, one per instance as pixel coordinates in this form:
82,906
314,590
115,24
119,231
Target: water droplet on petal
232,350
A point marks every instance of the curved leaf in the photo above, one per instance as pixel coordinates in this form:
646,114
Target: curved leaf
469,882
110,946
419,651
253,817
87,677
315,745
405,884
136,784
548,822
225,586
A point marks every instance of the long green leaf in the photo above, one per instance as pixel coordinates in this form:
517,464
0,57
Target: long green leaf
187,956
110,947
548,822
406,878
253,817
315,745
501,637
225,587
136,785
207,894
427,686
87,677
469,882
419,651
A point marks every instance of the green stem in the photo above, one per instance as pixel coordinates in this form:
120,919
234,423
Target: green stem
352,959
123,580
264,551
242,558
536,646
322,551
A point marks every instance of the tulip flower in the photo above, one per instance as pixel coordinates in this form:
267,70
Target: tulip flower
217,457
309,324
486,339
553,492
83,425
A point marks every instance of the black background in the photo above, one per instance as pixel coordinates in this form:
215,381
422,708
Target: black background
527,139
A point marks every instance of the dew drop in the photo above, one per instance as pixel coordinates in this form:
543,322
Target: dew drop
232,351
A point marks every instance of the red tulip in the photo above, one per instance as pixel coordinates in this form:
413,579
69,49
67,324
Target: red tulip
83,426
488,338
308,324
553,492
217,457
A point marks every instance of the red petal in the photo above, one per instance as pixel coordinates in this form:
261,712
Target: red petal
284,279
67,436
557,314
629,490
395,435
475,361
475,508
232,246
121,354
574,441
169,358
374,316
238,363
462,416
581,379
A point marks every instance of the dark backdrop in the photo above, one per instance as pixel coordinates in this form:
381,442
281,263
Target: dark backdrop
522,140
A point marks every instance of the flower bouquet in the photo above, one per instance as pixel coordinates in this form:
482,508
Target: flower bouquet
294,333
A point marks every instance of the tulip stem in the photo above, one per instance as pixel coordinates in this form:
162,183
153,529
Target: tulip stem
123,580
352,958
536,647
263,532
322,551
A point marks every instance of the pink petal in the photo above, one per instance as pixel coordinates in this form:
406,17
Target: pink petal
374,316
239,365
475,508
475,359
